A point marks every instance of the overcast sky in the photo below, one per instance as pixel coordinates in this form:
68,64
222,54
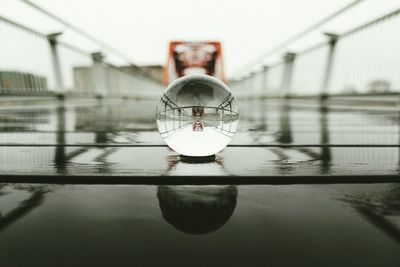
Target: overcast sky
142,29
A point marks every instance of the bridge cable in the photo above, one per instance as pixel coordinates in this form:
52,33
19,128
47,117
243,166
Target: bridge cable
303,32
87,35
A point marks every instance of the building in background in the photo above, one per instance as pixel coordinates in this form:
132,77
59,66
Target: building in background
84,83
154,71
16,82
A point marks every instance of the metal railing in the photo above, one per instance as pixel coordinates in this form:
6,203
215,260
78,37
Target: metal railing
361,61
37,64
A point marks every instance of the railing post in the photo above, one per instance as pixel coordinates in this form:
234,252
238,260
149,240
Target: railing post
288,58
240,87
55,59
99,75
253,84
326,155
245,86
333,38
264,87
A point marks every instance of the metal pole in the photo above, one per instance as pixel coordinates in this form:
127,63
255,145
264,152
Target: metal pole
250,83
326,155
264,80
254,85
333,38
287,73
55,59
99,75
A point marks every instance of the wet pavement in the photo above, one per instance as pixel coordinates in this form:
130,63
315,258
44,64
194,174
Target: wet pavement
148,225
236,222
120,138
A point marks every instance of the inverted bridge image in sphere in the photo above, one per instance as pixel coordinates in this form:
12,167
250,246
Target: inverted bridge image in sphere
197,115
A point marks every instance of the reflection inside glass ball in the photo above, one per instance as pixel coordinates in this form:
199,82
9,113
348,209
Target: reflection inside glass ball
197,115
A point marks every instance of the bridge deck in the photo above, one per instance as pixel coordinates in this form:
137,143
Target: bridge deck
248,220
274,139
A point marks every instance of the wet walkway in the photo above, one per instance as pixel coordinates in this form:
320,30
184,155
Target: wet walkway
274,139
230,219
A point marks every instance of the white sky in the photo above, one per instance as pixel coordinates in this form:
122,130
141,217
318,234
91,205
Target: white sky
142,29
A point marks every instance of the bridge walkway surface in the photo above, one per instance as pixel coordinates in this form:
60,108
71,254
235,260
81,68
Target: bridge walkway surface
89,174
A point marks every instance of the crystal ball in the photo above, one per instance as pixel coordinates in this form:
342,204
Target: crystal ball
197,115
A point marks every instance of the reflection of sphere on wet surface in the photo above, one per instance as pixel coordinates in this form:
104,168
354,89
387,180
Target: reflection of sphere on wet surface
197,209
197,115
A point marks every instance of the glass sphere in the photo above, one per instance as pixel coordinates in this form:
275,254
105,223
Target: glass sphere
197,115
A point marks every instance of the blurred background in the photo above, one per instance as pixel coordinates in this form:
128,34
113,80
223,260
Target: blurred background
330,47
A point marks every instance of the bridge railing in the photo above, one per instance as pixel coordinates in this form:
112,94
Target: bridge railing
361,61
37,64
